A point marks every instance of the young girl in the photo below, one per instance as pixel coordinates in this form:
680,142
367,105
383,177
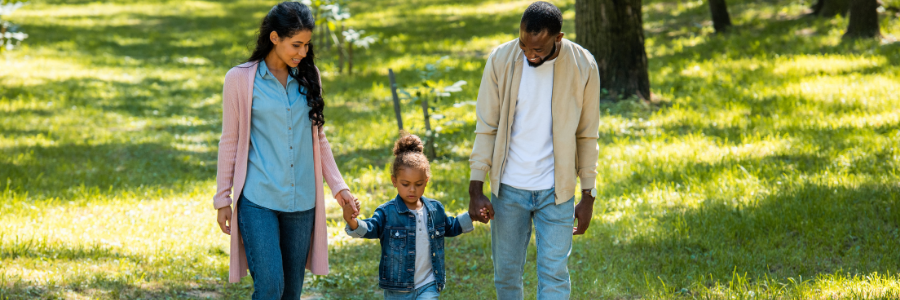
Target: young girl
411,228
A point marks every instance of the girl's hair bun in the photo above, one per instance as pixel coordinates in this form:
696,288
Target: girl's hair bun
408,143
409,152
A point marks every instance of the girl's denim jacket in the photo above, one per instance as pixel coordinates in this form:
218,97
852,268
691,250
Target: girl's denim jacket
395,225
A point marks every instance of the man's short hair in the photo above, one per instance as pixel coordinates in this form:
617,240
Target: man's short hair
540,16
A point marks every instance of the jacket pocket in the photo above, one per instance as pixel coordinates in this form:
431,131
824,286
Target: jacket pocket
397,239
438,238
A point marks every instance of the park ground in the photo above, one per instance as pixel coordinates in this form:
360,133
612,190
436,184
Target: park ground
766,167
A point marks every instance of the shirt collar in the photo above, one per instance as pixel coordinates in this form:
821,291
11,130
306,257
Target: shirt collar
402,208
263,71
263,68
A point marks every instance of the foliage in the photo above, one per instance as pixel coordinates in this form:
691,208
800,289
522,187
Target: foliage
331,17
767,170
432,88
356,38
10,37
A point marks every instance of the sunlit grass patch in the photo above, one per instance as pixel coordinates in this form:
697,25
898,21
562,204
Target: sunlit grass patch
767,169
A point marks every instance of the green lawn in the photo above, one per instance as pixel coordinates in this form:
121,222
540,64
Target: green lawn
767,169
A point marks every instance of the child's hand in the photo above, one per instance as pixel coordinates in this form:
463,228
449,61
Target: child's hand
484,213
350,213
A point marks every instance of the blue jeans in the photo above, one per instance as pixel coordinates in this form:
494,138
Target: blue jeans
426,292
276,244
514,210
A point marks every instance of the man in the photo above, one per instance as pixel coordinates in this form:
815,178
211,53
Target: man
537,128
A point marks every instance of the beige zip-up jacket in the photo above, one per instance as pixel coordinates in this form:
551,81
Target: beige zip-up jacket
575,110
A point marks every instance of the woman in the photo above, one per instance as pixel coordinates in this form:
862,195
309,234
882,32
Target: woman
274,153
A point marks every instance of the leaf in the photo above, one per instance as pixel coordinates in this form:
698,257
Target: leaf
456,87
405,93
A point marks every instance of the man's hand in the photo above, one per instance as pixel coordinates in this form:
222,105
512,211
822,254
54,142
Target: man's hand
480,208
224,219
584,211
351,211
344,197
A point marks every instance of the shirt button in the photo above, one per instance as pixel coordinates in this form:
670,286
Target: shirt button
292,147
289,128
292,184
292,165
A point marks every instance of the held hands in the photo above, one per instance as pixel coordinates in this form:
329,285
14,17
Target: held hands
480,208
351,211
344,197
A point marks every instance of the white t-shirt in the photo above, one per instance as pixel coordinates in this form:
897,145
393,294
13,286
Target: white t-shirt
529,164
424,271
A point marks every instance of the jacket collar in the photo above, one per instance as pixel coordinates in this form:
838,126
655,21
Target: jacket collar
402,208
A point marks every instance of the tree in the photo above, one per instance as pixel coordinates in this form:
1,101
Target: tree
831,8
721,19
863,20
612,30
816,8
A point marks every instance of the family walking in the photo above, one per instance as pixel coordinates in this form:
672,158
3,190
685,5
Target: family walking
537,129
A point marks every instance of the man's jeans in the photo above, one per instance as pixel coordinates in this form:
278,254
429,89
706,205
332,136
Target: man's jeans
426,292
514,210
276,244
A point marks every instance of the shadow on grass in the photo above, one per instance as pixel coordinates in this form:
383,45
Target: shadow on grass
31,249
71,170
139,279
149,97
805,229
159,37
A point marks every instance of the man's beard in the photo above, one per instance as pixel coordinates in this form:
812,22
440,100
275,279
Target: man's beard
543,59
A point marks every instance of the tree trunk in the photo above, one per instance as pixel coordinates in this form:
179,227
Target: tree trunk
863,20
721,19
612,30
817,8
832,8
340,48
350,58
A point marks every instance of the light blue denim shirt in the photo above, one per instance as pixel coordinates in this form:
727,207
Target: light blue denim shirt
280,171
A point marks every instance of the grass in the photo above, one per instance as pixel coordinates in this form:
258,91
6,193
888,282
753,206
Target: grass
767,169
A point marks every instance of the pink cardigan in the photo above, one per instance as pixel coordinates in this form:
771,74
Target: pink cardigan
232,170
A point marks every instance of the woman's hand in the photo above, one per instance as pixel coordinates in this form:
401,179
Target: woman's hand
344,198
224,219
351,211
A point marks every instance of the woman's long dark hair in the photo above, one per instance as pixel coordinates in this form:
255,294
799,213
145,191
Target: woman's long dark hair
286,19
